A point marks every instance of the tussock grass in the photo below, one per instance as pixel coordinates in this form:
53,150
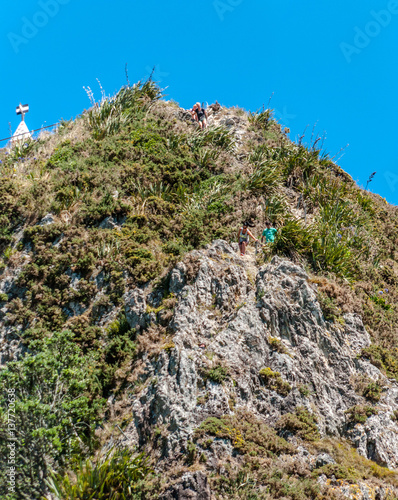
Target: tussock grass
115,475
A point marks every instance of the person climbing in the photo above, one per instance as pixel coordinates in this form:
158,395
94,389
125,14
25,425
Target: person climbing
200,115
243,237
193,114
269,233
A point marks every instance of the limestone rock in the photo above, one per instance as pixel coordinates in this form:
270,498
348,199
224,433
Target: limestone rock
135,308
108,223
324,459
47,220
224,305
192,487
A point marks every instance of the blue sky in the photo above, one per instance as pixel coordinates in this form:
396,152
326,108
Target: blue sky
329,64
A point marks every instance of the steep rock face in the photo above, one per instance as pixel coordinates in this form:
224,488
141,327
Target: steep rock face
10,343
191,486
233,317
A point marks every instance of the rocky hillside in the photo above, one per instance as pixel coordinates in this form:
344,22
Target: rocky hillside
148,359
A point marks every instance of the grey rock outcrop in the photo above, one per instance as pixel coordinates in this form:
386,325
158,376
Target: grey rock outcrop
135,308
46,220
230,313
10,342
191,487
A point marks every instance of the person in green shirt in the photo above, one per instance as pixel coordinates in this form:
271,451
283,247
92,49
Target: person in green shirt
269,233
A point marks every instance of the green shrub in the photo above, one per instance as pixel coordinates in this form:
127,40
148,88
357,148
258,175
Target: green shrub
216,374
380,301
119,349
57,408
277,345
302,423
373,392
86,263
7,253
274,382
191,452
304,390
43,234
383,358
350,466
285,485
60,157
394,416
142,264
367,388
247,434
329,308
251,480
174,247
359,414
339,472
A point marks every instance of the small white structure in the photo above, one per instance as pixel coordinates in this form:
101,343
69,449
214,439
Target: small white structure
22,133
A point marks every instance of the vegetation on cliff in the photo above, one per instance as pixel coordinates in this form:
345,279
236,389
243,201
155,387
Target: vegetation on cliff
132,186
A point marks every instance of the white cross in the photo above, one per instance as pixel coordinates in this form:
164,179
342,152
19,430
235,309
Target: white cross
22,109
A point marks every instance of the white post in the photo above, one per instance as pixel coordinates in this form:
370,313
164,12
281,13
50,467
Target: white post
21,111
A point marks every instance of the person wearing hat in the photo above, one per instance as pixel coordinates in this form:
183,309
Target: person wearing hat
244,235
